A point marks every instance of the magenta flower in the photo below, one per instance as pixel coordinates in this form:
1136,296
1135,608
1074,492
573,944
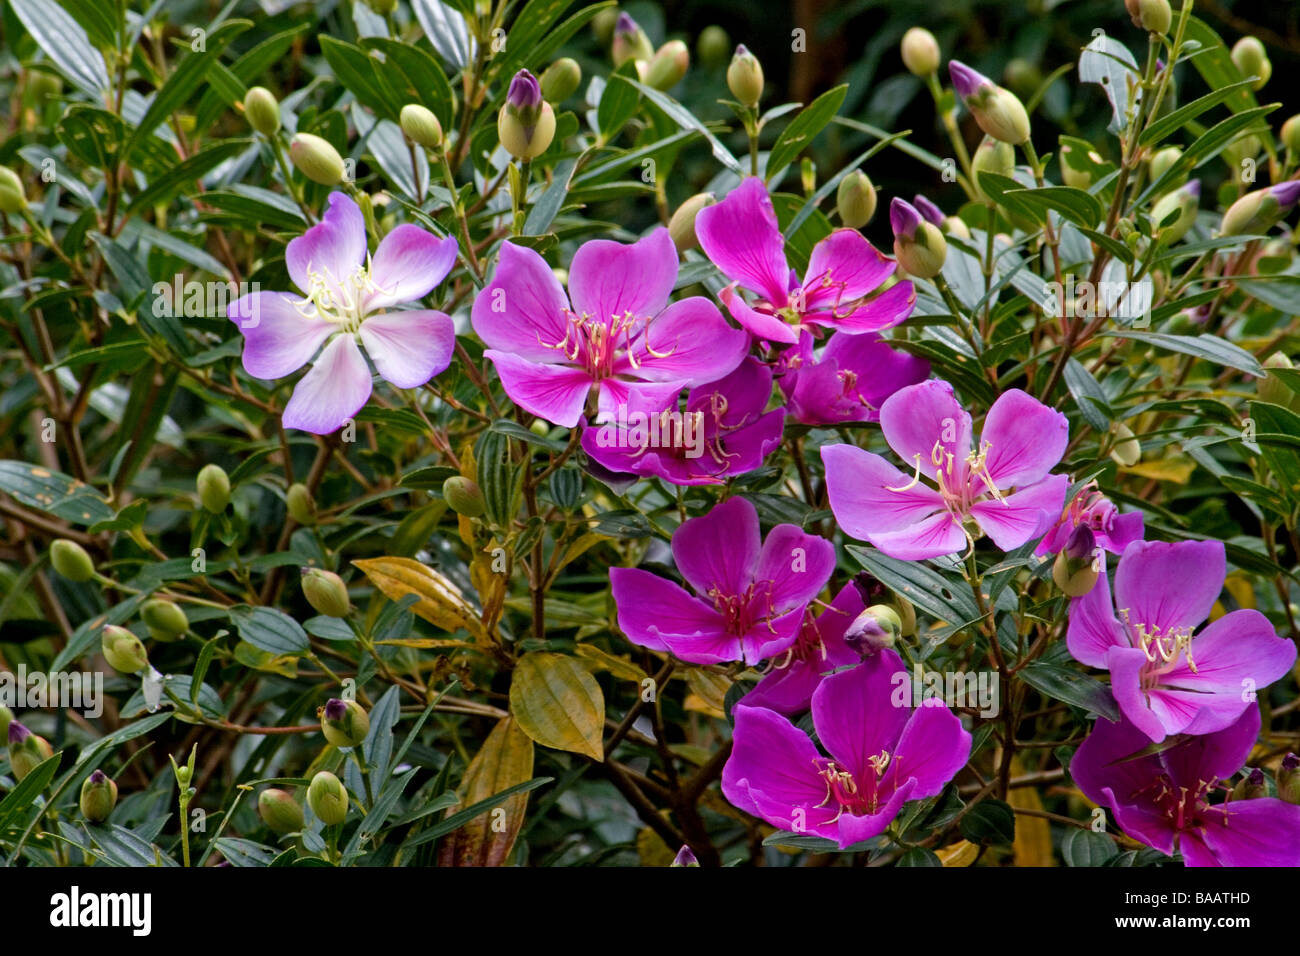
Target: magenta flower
347,293
907,519
1091,509
614,332
725,431
741,236
1163,799
880,756
1165,680
819,650
751,594
848,381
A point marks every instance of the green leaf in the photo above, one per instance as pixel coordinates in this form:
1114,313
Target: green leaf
989,821
618,102
1081,208
186,173
1277,432
498,477
1087,394
54,493
1069,685
1081,847
1162,127
358,72
558,703
458,820
919,856
686,120
944,600
803,129
66,43
270,630
1208,347
413,76
21,797
242,72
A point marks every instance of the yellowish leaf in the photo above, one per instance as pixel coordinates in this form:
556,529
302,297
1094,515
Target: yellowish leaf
1177,469
961,853
708,692
440,602
559,704
1033,843
505,760
620,667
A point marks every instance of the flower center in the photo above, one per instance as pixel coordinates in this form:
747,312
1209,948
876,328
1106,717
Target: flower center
337,299
1162,648
742,611
958,486
853,796
1186,807
595,343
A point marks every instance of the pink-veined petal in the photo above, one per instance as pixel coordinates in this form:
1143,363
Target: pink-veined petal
719,550
917,418
608,278
409,348
333,249
557,393
1024,515
1169,585
522,310
865,496
407,265
1025,439
741,236
333,391
278,338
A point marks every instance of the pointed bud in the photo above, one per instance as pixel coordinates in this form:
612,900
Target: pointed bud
344,723
124,651
13,198
98,797
279,811
630,42
920,52
1073,571
875,629
745,77
928,210
463,496
1272,388
998,111
1153,16
1163,160
27,750
526,123
1288,779
325,592
299,503
71,560
1291,134
956,226
1181,206
1127,450
327,798
668,65
317,159
685,857
214,488
164,617
1250,57
681,227
919,246
992,156
421,126
561,80
262,110
1251,787
855,199
1257,211
712,46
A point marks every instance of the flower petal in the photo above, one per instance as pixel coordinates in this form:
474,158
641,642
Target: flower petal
334,248
1093,628
557,393
1109,778
741,236
1025,439
1260,832
608,278
855,714
843,267
278,339
797,564
932,748
650,607
772,773
932,538
689,341
864,496
522,309
333,391
407,265
1168,585
1024,515
1151,714
883,311
719,549
916,418
760,324
409,348
1215,755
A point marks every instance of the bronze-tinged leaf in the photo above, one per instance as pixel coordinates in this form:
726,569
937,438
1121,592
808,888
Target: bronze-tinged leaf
559,704
505,760
440,602
1033,843
961,853
708,692
620,667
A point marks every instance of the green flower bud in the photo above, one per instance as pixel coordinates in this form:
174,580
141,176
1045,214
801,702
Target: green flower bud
98,797
1259,210
630,41
526,123
1078,171
279,811
124,651
668,65
1163,160
1073,571
317,159
27,751
712,46
421,126
214,488
955,226
1184,202
344,723
165,617
262,110
1250,57
1127,450
1291,134
745,77
996,109
42,86
855,199
1288,779
1273,389
561,80
1250,787
463,496
71,560
602,25
1153,16
540,427
6,717
325,592
919,246
681,227
13,198
992,156
907,614
327,798
300,505
920,52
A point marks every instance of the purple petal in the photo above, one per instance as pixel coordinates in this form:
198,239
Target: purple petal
1127,528
522,309
760,324
1167,585
797,564
1025,439
647,397
409,348
609,278
965,81
767,637
335,247
932,538
884,311
1094,629
407,265
933,747
1150,713
689,342
904,219
880,370
1215,755
771,772
740,235
844,266
789,690
862,488
1022,516
1102,769
719,549
918,417
333,391
650,606
557,393
855,716
1261,832
278,338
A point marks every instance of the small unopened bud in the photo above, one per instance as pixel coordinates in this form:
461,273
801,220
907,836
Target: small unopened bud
421,126
27,750
325,592
1127,450
98,797
1153,16
1251,787
602,25
681,227
1250,57
1288,779
13,198
668,65
1163,160
685,857
920,51
526,123
992,156
279,811
1291,134
745,77
1182,203
1272,388
262,110
124,651
164,617
712,46
6,718
327,798
955,226
561,80
1073,570
1079,172
71,560
997,110
630,41
317,159
299,503
1259,210
875,629
463,496
855,199
919,246
214,488
344,723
